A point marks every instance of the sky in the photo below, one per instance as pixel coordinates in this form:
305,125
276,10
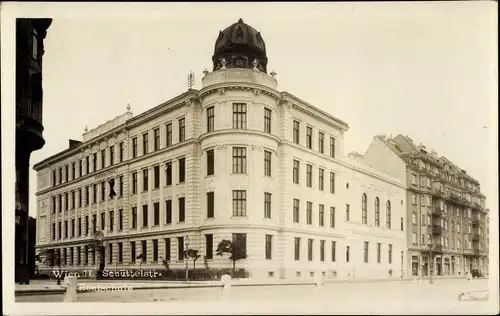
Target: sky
426,70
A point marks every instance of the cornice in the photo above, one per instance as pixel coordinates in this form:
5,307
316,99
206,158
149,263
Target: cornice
221,132
242,86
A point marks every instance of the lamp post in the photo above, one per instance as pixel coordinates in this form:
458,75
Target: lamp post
431,263
186,243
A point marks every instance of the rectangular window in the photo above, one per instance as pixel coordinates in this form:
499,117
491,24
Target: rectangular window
80,202
73,171
87,225
321,142
120,252
267,205
59,230
60,203
310,243
87,195
65,229
210,162
168,129
269,247
73,227
120,188
73,194
111,220
182,130
168,249
94,194
239,116
120,219
168,173
156,135
390,253
296,132
267,163
111,155
267,120
103,221
168,211
321,250
145,180
239,203
79,227
309,213
332,147
297,248
103,158
54,182
321,215
134,147
309,132
180,248
210,204
379,248
332,182
87,165
182,170
296,211
210,119
156,177
134,182
132,251
347,253
66,173
241,239
66,202
144,251
156,213
110,253
309,175
321,179
365,252
334,251
145,215
60,175
209,246
145,143
121,152
296,171
155,250
332,217
103,191
239,160
182,209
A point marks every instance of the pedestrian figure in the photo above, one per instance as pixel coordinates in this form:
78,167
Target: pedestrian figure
469,276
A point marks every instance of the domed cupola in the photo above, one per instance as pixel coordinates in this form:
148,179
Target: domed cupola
239,45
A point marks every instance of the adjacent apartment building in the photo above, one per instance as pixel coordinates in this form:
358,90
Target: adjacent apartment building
238,160
446,214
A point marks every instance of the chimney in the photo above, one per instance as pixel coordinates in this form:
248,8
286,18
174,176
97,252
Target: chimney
74,143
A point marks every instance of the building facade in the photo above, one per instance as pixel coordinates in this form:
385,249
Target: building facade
446,212
236,160
30,34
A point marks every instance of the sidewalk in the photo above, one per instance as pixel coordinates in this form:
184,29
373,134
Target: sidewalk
50,287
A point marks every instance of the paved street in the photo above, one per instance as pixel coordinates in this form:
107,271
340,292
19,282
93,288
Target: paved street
381,297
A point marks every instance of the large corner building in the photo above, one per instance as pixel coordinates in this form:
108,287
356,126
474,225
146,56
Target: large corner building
237,159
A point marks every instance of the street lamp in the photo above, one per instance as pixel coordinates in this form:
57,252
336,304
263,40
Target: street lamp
431,263
186,243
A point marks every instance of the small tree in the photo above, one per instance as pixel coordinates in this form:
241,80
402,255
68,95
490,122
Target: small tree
51,258
194,255
236,249
166,264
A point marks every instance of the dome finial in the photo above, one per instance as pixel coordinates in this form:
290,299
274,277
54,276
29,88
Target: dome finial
240,20
128,106
273,73
86,129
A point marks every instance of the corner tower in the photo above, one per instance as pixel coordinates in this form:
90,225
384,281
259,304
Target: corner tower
238,46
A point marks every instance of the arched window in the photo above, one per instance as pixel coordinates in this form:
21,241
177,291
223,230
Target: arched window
364,214
388,214
377,212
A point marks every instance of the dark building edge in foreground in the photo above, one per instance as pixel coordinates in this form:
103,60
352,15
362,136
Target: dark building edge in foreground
30,34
